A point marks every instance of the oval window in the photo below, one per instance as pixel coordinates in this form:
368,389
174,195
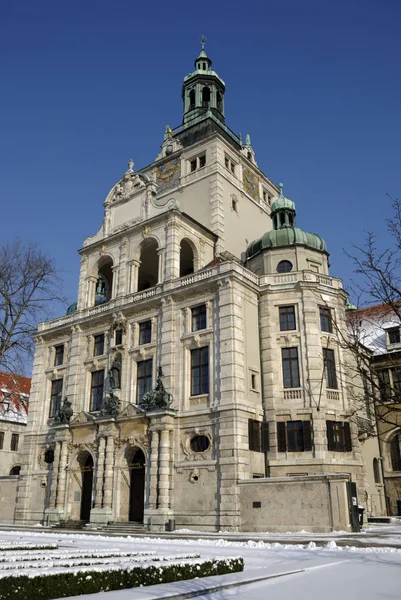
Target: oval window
200,443
49,456
284,266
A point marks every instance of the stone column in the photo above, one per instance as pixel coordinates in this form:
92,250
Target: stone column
154,456
160,272
164,469
114,284
100,473
133,276
62,475
90,300
56,463
108,474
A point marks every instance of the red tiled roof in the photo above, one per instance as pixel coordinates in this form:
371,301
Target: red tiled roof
15,389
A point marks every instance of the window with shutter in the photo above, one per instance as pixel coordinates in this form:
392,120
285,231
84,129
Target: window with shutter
281,437
307,436
258,436
330,435
347,437
339,436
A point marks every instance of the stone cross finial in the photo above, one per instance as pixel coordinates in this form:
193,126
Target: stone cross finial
130,165
203,40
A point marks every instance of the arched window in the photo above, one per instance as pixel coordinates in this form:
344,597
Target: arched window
284,266
186,259
205,96
15,470
376,471
104,284
395,453
191,99
148,273
219,100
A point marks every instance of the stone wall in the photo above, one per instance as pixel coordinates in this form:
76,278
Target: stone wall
317,503
8,493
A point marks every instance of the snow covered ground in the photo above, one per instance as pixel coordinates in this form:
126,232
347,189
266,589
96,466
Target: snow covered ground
307,570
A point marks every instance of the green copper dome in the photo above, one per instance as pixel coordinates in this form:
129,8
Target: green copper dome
72,309
286,236
284,232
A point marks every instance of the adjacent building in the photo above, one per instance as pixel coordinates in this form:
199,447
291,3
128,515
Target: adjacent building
14,402
379,330
199,379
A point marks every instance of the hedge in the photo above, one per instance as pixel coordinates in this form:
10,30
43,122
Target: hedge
61,585
16,547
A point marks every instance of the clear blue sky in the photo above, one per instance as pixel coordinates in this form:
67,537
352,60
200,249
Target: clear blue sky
87,85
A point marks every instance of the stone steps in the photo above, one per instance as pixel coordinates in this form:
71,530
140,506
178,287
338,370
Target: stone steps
129,527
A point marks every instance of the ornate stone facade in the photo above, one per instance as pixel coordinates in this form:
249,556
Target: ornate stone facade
167,282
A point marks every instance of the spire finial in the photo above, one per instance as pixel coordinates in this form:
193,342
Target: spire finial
280,185
248,140
130,165
203,40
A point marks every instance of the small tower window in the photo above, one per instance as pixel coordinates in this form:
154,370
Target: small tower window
204,66
219,102
191,99
205,96
249,155
234,204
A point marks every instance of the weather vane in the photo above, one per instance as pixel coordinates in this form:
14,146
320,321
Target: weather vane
203,40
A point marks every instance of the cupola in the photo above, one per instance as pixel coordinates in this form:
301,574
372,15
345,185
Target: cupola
203,90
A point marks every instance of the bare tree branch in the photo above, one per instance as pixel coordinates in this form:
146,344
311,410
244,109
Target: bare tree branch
29,290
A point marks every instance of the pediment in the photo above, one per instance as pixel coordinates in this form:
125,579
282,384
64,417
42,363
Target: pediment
131,410
82,417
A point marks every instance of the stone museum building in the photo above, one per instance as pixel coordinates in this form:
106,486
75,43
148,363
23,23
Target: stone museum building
199,379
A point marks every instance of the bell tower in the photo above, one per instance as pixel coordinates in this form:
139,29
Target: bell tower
203,90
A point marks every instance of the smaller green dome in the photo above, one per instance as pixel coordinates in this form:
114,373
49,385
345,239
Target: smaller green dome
282,203
287,236
72,309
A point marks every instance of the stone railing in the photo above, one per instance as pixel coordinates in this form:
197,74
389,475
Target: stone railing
333,395
308,276
294,394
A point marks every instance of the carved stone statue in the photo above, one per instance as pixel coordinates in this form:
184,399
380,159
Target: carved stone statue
64,413
111,405
157,398
115,374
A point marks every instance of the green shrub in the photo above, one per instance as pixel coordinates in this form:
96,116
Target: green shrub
60,585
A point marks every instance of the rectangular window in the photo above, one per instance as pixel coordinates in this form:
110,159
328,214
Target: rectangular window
325,319
396,375
287,318
59,355
294,436
229,164
202,161
97,390
339,436
1,440
258,436
200,371
254,384
14,442
55,397
330,368
384,385
145,332
290,367
143,378
98,345
193,164
394,335
199,317
118,337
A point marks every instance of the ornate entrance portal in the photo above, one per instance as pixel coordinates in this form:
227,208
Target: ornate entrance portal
87,484
136,465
